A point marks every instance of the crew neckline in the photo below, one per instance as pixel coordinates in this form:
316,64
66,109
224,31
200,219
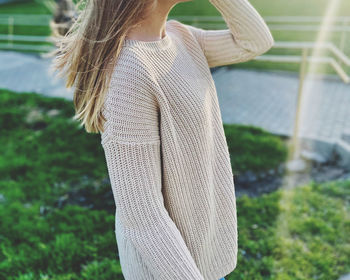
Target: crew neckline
162,43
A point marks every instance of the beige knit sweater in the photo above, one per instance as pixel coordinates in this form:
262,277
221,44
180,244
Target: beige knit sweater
166,150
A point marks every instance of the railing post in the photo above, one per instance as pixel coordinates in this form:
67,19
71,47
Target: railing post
302,74
343,38
195,21
10,31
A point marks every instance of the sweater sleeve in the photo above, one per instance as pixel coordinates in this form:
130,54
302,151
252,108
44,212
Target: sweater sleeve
247,35
131,145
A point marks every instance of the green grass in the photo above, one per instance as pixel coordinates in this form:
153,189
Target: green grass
266,8
24,7
253,148
45,160
28,7
293,234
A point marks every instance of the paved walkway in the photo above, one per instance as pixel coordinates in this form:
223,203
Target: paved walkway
29,73
264,99
269,100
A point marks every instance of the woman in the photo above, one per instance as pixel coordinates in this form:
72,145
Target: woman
144,83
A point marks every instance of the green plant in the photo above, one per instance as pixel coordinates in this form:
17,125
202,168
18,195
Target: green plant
252,148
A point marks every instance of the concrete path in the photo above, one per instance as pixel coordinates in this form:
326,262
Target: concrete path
269,100
29,73
264,99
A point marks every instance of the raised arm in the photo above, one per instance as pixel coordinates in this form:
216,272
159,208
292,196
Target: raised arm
131,144
247,35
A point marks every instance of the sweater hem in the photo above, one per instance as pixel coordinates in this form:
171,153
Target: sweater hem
221,271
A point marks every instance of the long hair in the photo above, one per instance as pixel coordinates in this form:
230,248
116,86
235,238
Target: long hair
87,53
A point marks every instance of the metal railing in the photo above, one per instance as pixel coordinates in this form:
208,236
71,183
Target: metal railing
306,46
15,41
340,24
277,23
297,24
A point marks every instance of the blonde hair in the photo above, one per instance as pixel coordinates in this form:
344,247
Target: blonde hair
86,54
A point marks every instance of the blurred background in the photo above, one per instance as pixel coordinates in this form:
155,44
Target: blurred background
287,123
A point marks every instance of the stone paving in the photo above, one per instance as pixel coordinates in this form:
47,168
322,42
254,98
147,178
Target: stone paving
269,100
260,98
29,73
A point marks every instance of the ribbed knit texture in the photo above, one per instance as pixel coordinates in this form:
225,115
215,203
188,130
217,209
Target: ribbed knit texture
166,150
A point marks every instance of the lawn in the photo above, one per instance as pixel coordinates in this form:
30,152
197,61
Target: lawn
57,208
